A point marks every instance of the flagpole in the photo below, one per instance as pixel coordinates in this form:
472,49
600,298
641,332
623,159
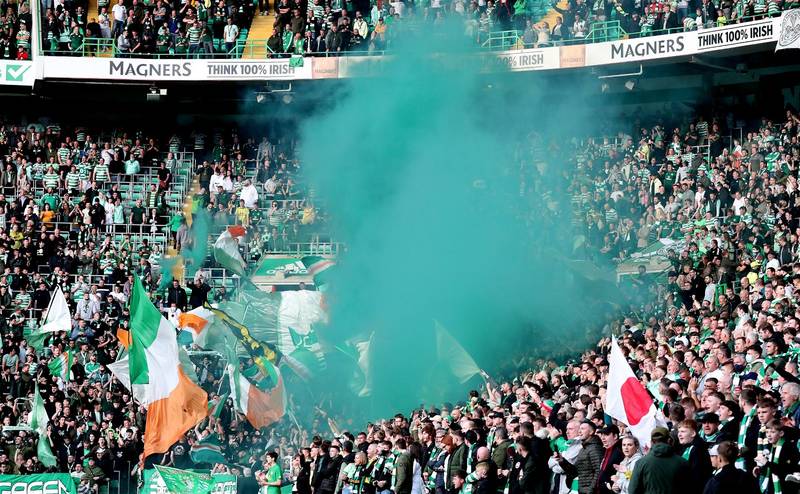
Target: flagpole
222,379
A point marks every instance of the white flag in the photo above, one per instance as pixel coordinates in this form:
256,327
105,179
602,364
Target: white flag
627,400
57,317
789,35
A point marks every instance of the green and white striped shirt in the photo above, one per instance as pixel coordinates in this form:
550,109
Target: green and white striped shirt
101,172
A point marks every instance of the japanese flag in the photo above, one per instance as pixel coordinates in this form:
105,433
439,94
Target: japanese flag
627,400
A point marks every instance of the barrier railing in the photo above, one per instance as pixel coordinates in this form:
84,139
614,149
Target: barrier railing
502,40
495,41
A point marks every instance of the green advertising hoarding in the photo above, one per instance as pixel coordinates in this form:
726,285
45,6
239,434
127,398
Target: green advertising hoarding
52,483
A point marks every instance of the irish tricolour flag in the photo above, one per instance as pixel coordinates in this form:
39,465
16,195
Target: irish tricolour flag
61,365
174,403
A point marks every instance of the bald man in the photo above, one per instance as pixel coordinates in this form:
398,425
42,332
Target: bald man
489,483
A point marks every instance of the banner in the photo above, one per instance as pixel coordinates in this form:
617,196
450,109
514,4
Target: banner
537,59
641,49
325,67
52,483
272,265
172,69
790,30
17,73
154,483
735,35
572,56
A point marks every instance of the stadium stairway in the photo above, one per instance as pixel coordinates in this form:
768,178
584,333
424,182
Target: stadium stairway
260,31
551,15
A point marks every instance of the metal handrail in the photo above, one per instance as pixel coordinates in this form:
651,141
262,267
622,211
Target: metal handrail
598,33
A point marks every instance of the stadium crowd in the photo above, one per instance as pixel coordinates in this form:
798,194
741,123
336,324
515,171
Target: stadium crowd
320,27
87,212
715,343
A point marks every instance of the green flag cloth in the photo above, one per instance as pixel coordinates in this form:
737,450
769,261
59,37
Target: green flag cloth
38,421
61,365
296,61
35,339
207,450
215,408
182,481
451,354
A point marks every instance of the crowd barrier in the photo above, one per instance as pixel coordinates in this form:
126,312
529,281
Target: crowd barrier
637,47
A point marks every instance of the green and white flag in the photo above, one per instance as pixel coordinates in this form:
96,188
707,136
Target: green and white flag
215,407
57,317
207,450
450,353
318,267
288,320
361,354
60,366
38,421
180,481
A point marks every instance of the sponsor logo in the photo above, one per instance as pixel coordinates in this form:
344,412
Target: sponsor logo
735,36
257,69
522,60
15,72
149,69
35,487
648,48
790,28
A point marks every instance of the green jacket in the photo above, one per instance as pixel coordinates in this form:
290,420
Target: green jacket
458,461
660,472
404,474
500,454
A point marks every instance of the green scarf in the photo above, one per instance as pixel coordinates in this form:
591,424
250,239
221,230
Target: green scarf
743,426
769,474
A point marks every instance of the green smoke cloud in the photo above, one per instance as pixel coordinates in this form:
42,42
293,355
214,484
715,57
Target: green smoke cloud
434,174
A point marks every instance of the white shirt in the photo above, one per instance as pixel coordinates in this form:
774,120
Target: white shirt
230,33
119,12
270,186
249,195
216,179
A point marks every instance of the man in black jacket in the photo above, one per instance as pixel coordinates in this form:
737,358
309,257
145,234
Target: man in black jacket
728,478
609,435
176,295
532,479
486,484
327,472
200,291
694,450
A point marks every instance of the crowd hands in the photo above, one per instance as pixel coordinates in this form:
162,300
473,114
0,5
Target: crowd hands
15,31
578,17
715,345
332,27
70,217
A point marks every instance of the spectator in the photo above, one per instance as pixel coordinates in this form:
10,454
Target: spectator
694,450
661,470
727,478
230,35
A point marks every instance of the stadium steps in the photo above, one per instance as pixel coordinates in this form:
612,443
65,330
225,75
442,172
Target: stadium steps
92,11
260,31
551,15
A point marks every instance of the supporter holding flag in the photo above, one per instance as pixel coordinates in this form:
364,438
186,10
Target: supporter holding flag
626,399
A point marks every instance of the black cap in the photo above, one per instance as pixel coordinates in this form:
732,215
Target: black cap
609,429
709,418
732,406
